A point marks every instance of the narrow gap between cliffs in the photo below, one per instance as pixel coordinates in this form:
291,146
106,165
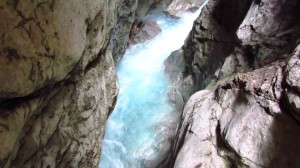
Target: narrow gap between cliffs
140,130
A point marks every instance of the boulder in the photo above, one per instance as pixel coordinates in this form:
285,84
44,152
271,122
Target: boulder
145,32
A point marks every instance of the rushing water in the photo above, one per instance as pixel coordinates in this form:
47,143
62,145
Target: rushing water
137,131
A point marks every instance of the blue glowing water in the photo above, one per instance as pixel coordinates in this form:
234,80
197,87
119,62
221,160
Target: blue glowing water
137,129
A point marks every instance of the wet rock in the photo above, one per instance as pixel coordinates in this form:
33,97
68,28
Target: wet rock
122,29
42,42
131,14
146,32
178,6
174,67
144,6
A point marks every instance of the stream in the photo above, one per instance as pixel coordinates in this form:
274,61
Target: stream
140,129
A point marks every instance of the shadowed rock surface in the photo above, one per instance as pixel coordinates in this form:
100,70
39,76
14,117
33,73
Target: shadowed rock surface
133,14
121,31
178,6
245,56
58,81
57,77
146,32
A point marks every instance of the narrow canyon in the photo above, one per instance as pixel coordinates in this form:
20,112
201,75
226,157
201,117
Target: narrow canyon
149,84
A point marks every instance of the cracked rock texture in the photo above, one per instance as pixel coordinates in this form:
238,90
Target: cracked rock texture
236,80
57,81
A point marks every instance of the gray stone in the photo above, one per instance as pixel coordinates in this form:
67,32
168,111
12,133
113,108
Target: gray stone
293,69
43,42
122,29
147,31
58,81
234,63
175,7
231,126
271,29
293,82
247,114
294,103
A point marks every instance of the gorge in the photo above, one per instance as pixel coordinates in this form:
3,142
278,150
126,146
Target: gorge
234,84
140,130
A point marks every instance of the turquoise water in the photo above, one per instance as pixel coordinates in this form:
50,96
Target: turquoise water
137,131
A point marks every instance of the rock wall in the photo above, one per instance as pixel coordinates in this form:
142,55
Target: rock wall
131,14
133,23
241,59
123,28
211,40
58,81
177,6
57,78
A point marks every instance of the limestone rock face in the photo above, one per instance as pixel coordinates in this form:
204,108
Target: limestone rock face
146,32
293,84
57,81
240,124
144,6
210,41
177,6
42,41
245,57
122,29
131,13
270,30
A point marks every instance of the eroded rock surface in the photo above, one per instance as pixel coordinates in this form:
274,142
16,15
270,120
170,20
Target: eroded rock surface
58,81
248,113
123,28
211,40
240,124
57,77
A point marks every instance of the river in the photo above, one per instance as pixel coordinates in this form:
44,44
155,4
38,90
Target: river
139,130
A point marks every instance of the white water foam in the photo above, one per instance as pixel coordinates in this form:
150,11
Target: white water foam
135,130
